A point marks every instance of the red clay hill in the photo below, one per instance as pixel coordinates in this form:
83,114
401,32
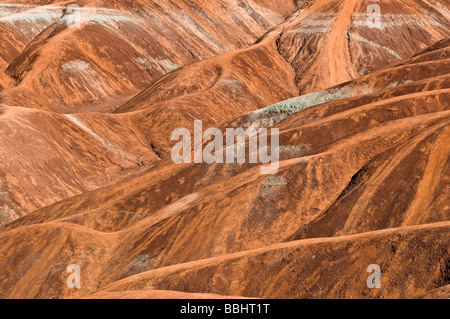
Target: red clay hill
87,178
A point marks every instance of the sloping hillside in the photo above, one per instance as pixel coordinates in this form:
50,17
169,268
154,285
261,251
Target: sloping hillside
364,172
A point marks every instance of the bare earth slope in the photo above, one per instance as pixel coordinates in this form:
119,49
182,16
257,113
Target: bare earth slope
121,47
364,118
109,147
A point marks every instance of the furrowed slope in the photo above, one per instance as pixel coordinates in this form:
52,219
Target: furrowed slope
302,37
5,81
324,268
220,79
227,85
119,48
332,41
369,163
48,157
414,262
363,176
213,90
384,105
104,141
426,71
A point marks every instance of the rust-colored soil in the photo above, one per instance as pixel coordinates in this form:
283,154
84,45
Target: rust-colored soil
86,175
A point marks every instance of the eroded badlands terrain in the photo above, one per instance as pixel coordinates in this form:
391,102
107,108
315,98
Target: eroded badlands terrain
87,178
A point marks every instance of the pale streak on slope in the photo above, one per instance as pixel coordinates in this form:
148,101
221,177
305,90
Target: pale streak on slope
173,209
381,174
159,294
375,45
438,7
431,178
105,144
337,54
144,278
